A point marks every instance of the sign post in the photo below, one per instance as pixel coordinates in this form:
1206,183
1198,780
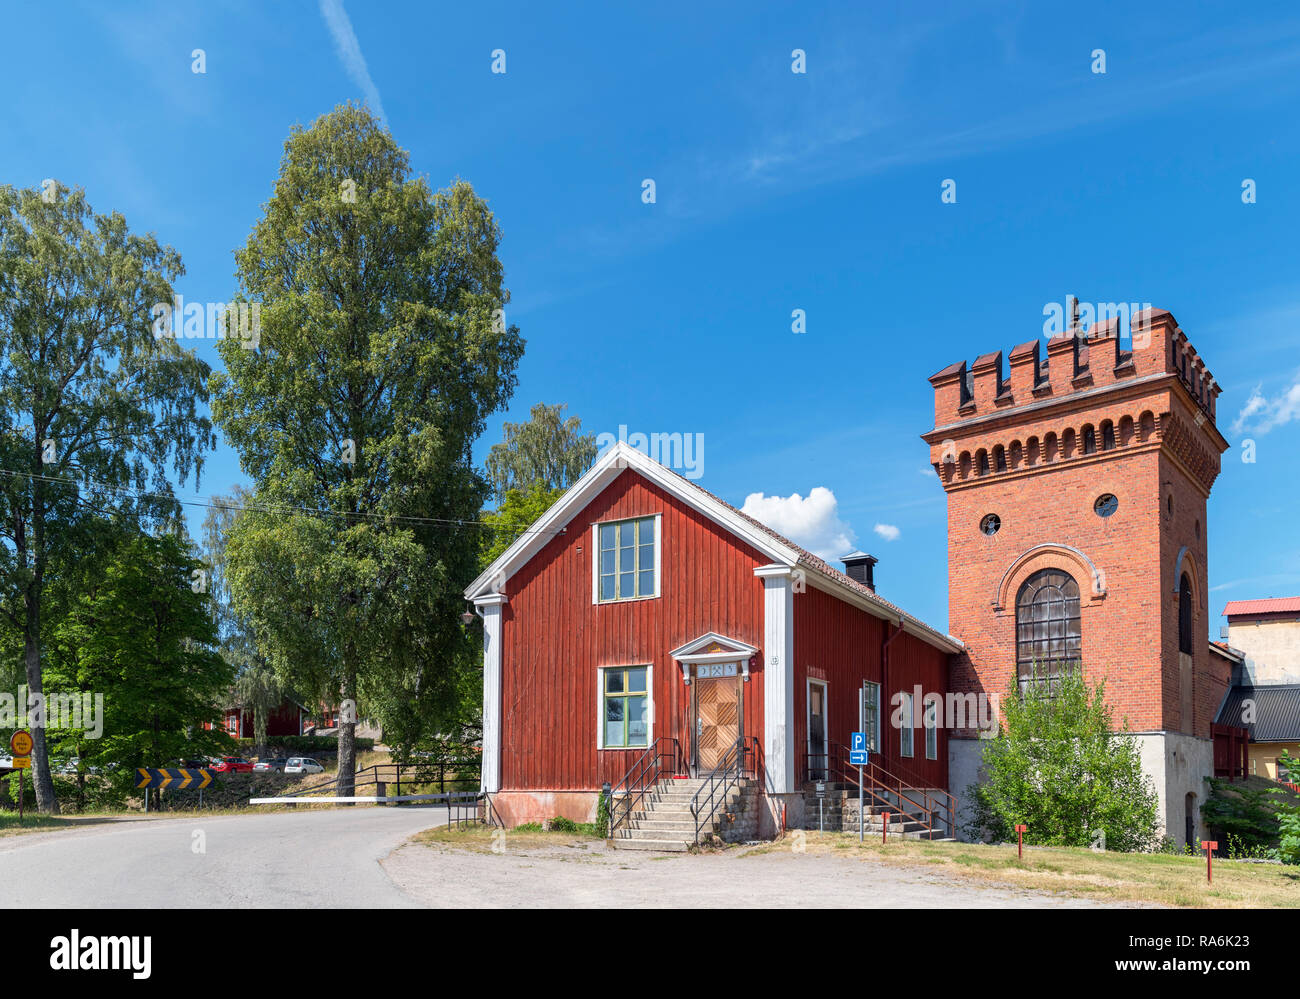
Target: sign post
1020,840
148,778
20,744
859,756
1209,846
821,810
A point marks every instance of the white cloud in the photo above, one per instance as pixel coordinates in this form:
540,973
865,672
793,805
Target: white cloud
349,50
814,523
1261,414
887,531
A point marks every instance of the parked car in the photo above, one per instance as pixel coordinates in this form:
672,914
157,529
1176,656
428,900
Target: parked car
232,765
6,762
270,766
303,765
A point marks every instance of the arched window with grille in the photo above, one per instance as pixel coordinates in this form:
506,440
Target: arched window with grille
1185,615
1049,639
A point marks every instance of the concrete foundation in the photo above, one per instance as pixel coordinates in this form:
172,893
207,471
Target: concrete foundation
1176,763
517,807
964,769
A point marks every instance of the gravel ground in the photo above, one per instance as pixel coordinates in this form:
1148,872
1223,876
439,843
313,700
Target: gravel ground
589,875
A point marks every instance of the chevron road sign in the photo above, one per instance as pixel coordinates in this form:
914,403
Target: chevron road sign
171,778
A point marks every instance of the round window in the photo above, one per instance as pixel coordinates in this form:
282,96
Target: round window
1106,505
990,524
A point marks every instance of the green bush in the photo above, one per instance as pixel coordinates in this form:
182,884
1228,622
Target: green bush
1288,817
1058,766
602,814
1243,813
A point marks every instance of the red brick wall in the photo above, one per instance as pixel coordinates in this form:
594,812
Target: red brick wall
1165,446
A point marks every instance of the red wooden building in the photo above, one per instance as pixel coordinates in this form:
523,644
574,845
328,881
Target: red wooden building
643,612
287,719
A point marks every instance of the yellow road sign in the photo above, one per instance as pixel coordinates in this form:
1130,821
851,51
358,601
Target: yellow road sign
22,762
20,743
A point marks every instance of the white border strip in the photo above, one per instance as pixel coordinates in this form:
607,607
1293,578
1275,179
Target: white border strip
360,798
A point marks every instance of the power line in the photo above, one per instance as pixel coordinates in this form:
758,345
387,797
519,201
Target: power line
207,503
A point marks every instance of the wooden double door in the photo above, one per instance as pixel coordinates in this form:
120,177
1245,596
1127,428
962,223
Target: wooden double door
718,707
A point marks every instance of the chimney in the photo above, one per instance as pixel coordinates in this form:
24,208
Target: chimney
860,566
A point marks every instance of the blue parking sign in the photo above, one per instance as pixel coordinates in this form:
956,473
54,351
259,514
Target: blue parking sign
858,749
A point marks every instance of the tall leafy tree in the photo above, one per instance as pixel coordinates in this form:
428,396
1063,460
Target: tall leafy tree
381,356
144,634
518,510
258,689
547,449
90,401
1059,766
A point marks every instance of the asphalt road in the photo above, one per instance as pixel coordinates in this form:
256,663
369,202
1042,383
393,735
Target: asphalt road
307,858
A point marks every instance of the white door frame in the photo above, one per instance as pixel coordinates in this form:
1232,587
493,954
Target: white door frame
826,721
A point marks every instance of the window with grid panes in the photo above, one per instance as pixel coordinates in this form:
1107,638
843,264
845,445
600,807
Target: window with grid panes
626,568
1049,639
625,707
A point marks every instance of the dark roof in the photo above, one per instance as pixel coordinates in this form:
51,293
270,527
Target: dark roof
1276,711
822,567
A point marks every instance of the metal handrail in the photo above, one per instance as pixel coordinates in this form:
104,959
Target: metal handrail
925,805
643,775
721,781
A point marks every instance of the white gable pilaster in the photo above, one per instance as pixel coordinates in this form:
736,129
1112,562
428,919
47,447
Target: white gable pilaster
778,677
490,605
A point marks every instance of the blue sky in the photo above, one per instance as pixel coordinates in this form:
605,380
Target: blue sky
775,191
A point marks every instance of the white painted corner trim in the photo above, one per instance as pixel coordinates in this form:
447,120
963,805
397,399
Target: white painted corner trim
778,677
490,605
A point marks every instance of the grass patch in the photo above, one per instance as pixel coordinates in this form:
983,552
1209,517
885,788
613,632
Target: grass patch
10,826
1153,878
492,839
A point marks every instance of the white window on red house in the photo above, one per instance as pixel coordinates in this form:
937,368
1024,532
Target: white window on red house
932,730
905,726
625,707
627,568
870,714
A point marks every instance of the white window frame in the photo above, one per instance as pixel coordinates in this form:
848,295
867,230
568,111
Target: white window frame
872,731
826,720
650,707
906,749
930,719
658,518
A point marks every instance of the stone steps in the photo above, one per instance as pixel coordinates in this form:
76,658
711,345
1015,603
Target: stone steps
662,820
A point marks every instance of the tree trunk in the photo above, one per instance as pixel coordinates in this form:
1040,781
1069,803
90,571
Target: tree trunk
348,735
42,782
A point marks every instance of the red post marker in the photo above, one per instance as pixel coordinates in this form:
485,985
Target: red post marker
1209,846
884,829
1020,840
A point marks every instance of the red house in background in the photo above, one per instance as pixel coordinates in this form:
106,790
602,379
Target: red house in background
288,719
644,624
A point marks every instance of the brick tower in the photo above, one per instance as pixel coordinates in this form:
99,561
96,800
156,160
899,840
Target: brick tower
1077,496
